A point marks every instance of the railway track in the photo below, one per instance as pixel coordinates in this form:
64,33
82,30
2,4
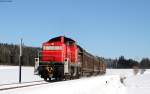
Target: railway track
18,83
22,85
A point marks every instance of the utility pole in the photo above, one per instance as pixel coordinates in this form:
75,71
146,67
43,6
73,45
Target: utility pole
20,60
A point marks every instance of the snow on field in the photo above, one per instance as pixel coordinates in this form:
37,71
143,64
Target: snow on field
93,85
135,84
9,74
139,84
107,84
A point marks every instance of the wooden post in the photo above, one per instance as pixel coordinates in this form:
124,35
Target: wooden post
20,61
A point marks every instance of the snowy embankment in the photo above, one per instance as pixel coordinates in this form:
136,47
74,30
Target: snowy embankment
135,84
138,84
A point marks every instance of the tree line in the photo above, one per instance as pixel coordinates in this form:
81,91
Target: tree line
9,54
122,62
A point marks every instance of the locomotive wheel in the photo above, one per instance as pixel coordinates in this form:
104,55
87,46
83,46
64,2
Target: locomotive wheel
45,78
49,79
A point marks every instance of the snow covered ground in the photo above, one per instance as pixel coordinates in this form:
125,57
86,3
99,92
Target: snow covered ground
93,85
9,74
107,84
135,84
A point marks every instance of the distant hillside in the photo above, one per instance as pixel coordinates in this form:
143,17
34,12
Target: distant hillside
9,54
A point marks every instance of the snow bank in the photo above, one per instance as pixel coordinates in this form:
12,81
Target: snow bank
138,84
135,84
93,85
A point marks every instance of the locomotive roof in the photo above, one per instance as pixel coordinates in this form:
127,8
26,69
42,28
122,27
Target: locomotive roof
66,39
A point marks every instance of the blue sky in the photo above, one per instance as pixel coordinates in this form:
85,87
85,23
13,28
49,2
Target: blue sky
107,28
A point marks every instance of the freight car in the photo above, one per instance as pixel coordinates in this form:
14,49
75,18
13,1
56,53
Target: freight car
61,58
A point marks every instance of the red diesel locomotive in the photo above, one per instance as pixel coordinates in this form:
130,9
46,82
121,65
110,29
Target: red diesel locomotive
61,58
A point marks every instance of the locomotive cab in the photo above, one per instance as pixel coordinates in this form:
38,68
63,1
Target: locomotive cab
57,57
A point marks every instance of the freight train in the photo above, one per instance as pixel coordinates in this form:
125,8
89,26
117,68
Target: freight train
61,58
